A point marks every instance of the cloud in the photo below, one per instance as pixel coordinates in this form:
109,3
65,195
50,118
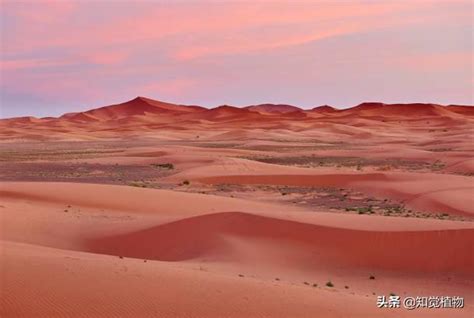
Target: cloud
217,50
14,65
36,27
172,88
106,57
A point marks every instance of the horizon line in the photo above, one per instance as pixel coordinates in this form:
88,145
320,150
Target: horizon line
235,106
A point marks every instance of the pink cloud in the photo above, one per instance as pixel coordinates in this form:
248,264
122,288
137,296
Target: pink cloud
224,21
179,50
56,87
435,61
44,11
106,57
13,65
240,45
167,88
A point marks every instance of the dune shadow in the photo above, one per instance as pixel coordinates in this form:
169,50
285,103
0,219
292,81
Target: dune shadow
205,235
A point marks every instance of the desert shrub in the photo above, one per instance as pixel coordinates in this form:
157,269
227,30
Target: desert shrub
364,210
137,184
168,166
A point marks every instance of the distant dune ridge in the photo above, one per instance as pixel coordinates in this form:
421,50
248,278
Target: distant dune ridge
324,109
143,106
144,115
136,106
273,108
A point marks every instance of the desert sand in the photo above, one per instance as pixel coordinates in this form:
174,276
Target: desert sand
150,209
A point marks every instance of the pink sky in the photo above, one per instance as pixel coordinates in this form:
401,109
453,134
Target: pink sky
61,56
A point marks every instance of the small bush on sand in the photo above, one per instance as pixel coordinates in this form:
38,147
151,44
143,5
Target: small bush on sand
364,210
168,166
385,168
137,184
329,284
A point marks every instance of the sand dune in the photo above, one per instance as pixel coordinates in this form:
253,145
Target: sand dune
461,109
399,110
152,209
324,109
206,245
143,114
273,108
153,289
205,236
422,194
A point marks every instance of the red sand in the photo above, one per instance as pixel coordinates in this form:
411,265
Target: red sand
72,249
